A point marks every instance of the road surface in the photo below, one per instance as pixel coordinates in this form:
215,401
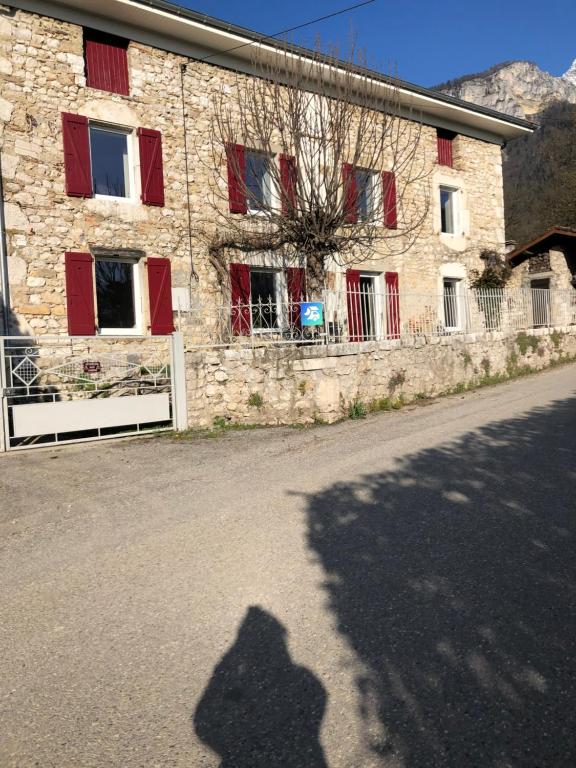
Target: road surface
398,591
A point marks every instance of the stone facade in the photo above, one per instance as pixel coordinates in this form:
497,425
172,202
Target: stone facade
42,75
555,265
306,385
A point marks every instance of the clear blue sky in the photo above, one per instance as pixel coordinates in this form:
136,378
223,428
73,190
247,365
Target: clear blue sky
423,41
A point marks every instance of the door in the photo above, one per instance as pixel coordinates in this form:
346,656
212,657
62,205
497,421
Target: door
540,290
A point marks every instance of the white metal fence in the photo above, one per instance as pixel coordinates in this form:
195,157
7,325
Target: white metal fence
365,315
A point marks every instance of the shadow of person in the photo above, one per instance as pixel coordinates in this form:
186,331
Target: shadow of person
260,710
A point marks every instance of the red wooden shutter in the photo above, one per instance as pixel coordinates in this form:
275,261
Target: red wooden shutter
80,293
389,199
76,155
392,305
295,281
151,170
353,301
445,141
350,194
240,299
106,61
160,296
236,165
288,180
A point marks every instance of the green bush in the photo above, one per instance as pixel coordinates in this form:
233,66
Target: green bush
525,342
512,363
255,400
556,338
356,410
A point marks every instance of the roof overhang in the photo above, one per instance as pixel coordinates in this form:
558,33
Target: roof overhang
170,27
555,237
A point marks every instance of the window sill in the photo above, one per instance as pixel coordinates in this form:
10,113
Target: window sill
259,214
119,332
105,90
112,199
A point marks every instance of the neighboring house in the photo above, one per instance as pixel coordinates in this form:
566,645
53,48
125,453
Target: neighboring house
98,177
548,261
547,266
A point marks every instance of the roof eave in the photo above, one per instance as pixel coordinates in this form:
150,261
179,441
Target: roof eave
204,32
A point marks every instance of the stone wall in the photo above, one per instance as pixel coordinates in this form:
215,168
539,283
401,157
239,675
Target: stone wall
42,75
307,384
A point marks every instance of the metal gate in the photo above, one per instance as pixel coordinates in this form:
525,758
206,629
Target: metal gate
69,389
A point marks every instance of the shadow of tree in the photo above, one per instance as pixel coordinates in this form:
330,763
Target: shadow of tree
260,710
453,578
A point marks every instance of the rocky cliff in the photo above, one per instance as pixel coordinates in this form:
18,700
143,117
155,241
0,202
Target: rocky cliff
540,169
518,88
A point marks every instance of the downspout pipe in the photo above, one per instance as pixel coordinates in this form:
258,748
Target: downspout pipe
4,285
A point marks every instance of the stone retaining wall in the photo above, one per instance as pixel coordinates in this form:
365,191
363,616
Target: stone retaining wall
306,384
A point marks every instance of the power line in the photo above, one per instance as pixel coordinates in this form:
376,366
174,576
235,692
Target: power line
290,29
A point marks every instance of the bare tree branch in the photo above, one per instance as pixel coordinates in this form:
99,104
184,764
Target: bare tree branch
304,120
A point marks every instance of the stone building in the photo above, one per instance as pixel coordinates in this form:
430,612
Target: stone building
547,267
105,127
548,261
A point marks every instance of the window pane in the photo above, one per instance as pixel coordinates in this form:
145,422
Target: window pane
109,153
450,304
363,191
263,296
256,179
115,294
447,210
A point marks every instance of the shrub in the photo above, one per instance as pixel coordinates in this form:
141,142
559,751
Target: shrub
496,273
556,338
512,363
255,400
525,342
397,379
356,410
381,404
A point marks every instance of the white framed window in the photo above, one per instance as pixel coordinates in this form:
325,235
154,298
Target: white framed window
111,161
451,303
368,194
266,291
259,181
448,210
118,296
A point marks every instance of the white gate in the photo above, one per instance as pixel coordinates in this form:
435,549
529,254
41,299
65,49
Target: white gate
56,389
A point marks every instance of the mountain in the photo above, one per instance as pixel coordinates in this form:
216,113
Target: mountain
540,169
518,88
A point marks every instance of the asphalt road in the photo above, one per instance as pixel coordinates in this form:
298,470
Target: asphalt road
398,591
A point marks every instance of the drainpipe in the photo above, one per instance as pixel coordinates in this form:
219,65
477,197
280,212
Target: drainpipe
4,287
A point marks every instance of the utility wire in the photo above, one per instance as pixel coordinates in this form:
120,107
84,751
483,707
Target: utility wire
290,29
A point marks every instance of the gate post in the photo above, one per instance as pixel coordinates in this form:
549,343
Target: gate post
178,375
3,416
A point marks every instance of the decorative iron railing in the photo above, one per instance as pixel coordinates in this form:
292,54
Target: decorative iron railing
363,315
